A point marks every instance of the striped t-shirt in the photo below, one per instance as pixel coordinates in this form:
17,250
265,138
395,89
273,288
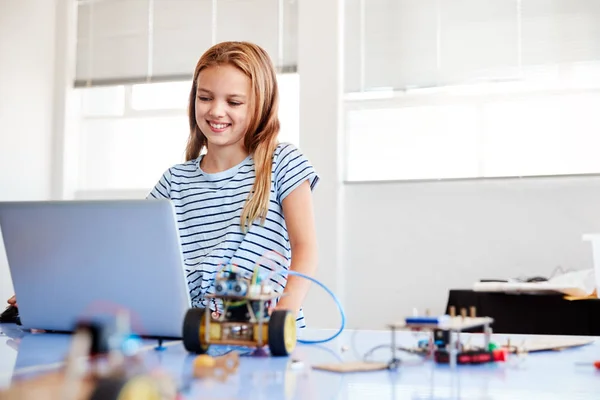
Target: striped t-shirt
209,208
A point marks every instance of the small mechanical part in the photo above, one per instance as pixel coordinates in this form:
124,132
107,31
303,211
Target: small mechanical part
219,368
296,365
441,338
471,357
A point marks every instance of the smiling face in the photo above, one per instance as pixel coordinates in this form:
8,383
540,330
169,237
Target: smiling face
222,105
233,109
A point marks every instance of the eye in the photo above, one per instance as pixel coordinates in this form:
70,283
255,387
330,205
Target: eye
235,103
203,98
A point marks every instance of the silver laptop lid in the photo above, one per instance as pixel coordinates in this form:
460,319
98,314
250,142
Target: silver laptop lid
75,259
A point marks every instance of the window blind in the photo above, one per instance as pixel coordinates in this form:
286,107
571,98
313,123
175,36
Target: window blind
129,41
404,44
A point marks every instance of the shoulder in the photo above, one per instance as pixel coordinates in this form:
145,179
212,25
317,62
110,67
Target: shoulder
287,153
182,170
291,167
188,166
178,173
285,147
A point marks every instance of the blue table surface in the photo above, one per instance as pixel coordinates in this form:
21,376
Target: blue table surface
544,375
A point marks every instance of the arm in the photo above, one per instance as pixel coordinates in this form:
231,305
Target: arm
299,219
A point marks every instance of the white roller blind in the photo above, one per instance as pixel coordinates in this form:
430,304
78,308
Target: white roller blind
181,32
125,41
112,40
404,44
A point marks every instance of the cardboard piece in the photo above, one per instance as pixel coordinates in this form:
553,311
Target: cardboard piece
352,366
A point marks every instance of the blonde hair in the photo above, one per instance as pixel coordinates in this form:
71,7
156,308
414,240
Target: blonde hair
260,139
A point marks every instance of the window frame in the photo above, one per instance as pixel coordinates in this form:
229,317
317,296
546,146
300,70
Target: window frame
474,95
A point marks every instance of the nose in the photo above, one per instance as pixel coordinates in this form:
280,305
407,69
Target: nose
217,109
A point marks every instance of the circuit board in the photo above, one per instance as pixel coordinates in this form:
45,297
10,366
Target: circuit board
250,297
457,323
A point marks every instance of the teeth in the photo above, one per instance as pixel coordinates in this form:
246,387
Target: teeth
219,126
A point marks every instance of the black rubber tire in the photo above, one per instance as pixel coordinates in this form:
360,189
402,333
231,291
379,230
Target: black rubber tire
277,333
194,318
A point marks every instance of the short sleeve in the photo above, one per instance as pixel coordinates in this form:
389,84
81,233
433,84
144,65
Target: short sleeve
162,190
292,168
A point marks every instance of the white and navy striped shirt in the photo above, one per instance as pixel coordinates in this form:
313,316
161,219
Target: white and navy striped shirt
209,208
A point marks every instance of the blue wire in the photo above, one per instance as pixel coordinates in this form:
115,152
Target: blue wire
335,299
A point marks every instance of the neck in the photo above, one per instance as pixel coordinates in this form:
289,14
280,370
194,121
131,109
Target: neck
218,159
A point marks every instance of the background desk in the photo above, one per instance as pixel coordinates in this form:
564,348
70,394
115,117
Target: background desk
547,314
550,375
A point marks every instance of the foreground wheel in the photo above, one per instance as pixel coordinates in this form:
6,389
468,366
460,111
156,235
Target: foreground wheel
194,327
282,333
138,387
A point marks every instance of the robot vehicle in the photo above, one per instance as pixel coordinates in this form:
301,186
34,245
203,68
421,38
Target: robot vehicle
245,320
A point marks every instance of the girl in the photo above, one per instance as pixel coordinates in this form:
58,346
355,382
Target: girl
241,197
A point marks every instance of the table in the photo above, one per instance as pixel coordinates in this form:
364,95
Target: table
535,314
548,375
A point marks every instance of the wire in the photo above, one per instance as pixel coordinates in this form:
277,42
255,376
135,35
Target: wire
369,354
335,299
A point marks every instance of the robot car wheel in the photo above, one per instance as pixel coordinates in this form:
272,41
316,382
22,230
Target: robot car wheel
194,327
282,333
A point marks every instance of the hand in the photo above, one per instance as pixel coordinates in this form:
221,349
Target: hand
285,304
13,301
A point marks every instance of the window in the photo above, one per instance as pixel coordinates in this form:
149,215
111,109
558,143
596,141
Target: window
160,96
462,89
134,65
130,134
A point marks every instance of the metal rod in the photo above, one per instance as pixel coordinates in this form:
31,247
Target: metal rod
260,323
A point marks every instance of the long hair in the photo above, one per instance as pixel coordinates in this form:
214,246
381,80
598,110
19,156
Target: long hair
260,139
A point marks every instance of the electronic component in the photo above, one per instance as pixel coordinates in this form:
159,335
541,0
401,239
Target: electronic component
427,320
444,344
476,356
245,320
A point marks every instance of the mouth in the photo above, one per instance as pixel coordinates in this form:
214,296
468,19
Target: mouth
218,126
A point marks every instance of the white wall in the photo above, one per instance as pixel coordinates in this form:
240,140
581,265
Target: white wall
27,31
418,240
399,246
319,64
415,240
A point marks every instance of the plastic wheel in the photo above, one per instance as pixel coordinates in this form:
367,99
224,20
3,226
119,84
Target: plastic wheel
282,333
193,331
138,387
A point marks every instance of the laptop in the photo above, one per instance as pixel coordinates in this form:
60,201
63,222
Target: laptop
76,260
